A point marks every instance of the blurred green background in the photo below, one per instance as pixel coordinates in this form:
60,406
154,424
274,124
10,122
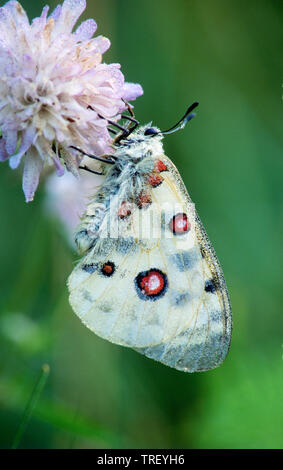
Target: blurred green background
227,55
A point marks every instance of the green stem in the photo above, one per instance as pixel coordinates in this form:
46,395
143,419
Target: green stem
40,383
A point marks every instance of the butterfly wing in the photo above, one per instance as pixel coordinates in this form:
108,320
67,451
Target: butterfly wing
199,318
157,287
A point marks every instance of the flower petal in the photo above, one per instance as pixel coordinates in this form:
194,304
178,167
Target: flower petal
32,169
72,161
3,152
38,24
85,31
44,12
27,140
101,44
59,168
131,91
71,10
11,138
56,13
18,14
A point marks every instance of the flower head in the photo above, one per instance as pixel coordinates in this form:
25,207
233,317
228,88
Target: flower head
55,92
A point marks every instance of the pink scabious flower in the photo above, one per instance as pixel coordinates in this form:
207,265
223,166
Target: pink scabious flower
55,92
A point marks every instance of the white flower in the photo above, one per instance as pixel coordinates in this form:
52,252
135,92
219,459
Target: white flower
54,90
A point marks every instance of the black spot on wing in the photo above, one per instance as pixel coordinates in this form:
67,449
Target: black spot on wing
211,286
202,252
105,269
185,260
90,268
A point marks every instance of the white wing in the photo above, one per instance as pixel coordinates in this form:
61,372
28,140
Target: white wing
187,323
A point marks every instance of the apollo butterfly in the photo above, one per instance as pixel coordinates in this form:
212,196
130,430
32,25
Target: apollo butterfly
149,278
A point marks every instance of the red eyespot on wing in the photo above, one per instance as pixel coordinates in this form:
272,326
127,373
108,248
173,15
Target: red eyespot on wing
155,180
151,285
124,210
160,166
108,268
144,200
179,224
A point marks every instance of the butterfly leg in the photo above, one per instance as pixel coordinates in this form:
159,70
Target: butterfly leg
90,170
104,158
130,109
133,120
127,131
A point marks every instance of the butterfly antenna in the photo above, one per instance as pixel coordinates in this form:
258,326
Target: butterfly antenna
183,121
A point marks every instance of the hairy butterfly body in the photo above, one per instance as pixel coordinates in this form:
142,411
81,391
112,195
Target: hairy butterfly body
149,278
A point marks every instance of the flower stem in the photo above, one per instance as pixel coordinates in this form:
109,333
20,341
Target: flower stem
39,385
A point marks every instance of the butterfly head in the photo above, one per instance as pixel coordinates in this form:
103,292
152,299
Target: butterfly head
144,134
143,142
151,131
135,144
